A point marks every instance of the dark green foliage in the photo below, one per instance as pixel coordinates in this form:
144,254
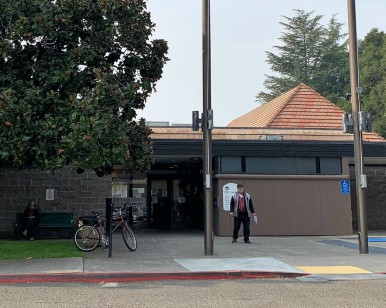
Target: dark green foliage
72,74
311,53
372,68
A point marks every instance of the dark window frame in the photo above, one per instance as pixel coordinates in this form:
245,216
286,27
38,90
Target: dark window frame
318,165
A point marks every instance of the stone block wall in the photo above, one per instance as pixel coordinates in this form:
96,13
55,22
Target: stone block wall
375,197
77,193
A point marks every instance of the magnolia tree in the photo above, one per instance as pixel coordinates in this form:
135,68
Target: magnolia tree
72,75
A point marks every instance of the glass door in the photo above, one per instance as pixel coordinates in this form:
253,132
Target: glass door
160,204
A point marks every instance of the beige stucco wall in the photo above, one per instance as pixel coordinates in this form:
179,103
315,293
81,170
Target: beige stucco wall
289,205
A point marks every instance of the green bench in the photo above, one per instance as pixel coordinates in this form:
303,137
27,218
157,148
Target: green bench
49,224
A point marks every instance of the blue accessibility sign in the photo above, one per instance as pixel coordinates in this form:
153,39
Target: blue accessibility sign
345,187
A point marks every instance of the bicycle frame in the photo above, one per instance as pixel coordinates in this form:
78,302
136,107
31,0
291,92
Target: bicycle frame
87,238
102,222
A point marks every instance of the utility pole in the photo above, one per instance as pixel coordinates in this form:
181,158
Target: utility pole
361,182
207,125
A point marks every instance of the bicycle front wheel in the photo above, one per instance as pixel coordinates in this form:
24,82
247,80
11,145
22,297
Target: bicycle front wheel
129,237
87,238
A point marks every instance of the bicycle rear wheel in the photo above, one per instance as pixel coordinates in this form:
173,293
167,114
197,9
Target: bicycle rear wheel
87,238
129,237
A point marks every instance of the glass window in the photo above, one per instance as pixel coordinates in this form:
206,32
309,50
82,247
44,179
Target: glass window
230,164
120,189
280,165
330,165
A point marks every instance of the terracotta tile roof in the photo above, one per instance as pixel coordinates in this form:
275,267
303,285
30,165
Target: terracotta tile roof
300,107
372,137
233,133
262,116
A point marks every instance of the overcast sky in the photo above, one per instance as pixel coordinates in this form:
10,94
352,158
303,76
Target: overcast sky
242,31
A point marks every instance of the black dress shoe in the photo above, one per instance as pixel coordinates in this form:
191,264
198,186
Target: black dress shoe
247,242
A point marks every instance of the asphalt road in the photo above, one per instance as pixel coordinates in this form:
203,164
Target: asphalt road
229,293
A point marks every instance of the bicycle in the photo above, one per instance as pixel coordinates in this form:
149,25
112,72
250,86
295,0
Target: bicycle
87,238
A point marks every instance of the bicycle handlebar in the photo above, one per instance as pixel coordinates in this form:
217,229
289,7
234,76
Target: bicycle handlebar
120,210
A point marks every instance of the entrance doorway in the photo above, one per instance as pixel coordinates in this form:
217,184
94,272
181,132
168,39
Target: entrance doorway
175,201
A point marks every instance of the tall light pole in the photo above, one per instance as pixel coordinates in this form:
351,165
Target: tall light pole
207,124
361,183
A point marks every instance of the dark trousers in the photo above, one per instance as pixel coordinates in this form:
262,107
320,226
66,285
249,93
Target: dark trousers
246,221
31,227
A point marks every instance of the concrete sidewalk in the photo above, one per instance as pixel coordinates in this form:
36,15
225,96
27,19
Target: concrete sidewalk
167,255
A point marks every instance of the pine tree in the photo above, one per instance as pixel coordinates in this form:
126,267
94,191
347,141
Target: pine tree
311,53
333,74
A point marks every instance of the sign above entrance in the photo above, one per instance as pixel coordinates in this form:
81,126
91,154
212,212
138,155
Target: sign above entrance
228,190
345,187
271,137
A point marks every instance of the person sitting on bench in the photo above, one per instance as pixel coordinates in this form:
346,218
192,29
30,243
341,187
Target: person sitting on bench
31,220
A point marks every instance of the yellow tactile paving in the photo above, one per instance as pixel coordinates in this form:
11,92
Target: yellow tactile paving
333,270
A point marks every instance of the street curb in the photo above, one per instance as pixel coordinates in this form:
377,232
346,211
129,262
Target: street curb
137,277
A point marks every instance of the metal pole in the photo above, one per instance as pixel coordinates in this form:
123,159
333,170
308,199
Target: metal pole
355,92
109,217
207,133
